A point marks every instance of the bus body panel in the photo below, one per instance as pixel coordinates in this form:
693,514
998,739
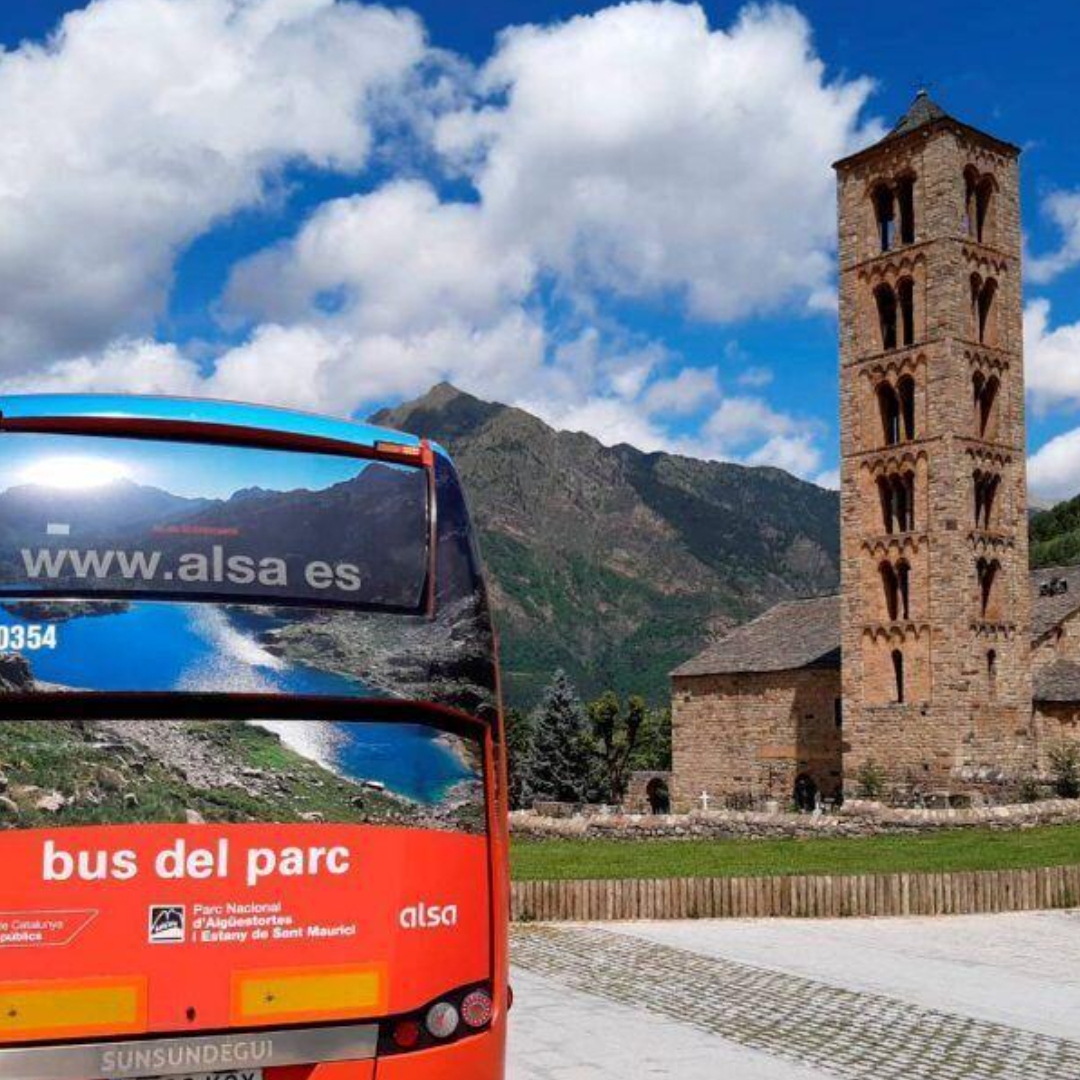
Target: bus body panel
348,928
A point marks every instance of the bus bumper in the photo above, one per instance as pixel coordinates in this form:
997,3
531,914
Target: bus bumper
479,1057
340,1070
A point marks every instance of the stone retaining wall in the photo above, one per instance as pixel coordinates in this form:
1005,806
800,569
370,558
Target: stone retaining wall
855,819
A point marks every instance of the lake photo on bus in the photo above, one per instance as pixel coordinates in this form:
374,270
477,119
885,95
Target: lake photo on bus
80,772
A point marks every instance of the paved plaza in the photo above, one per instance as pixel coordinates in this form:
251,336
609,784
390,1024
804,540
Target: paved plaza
963,998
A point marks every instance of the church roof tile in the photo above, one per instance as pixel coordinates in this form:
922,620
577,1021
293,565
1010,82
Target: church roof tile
794,634
806,633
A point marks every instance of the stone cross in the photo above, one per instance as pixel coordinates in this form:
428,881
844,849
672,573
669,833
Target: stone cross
704,799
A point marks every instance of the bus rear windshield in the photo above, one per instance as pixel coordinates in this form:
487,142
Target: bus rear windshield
81,515
406,774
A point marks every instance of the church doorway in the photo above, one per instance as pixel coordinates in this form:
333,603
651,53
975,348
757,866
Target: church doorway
806,792
658,796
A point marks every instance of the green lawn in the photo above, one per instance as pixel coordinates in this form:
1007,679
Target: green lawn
551,860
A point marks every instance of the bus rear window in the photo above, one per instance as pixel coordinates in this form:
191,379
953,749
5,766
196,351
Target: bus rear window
83,515
406,774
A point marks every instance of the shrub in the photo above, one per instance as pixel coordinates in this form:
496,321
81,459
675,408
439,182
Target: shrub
1030,790
1065,765
870,780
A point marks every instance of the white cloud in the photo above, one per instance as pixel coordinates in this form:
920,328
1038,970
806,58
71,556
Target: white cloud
609,419
333,371
1054,469
395,261
631,153
795,453
743,418
1051,358
137,366
638,150
141,123
690,391
1052,363
1063,208
830,479
755,377
620,151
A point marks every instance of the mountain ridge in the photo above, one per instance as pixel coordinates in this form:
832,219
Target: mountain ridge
613,563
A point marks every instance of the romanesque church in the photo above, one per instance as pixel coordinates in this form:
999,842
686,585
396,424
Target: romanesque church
944,668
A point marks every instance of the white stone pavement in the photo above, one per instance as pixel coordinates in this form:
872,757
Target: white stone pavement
963,998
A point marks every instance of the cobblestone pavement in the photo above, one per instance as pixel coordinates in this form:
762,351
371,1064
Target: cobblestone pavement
563,1034
821,1028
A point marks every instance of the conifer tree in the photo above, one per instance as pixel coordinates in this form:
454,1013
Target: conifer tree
519,749
561,761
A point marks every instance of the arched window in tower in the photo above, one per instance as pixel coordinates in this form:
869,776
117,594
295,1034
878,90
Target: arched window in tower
992,500
889,407
890,583
905,390
986,313
976,291
971,184
885,214
885,496
903,581
984,196
886,310
986,397
898,675
986,486
897,495
905,291
986,489
988,571
908,520
991,671
899,504
905,198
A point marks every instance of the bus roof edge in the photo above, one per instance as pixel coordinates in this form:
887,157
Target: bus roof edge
235,414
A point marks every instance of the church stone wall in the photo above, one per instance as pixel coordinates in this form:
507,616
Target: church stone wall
749,736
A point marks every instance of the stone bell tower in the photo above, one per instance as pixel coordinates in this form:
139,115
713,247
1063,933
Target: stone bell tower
936,594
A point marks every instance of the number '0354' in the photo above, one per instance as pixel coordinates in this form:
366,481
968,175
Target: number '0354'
29,636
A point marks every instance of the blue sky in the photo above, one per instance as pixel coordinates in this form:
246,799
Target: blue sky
196,472
621,221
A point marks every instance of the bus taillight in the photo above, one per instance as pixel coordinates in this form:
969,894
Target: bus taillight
442,1020
476,1009
406,1034
456,1015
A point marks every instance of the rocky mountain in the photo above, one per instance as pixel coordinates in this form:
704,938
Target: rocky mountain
26,509
616,564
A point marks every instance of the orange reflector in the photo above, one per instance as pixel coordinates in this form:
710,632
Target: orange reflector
77,1007
399,449
334,993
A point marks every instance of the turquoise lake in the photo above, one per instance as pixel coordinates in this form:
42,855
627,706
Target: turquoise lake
163,646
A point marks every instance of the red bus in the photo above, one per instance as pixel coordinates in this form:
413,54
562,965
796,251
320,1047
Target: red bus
252,772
